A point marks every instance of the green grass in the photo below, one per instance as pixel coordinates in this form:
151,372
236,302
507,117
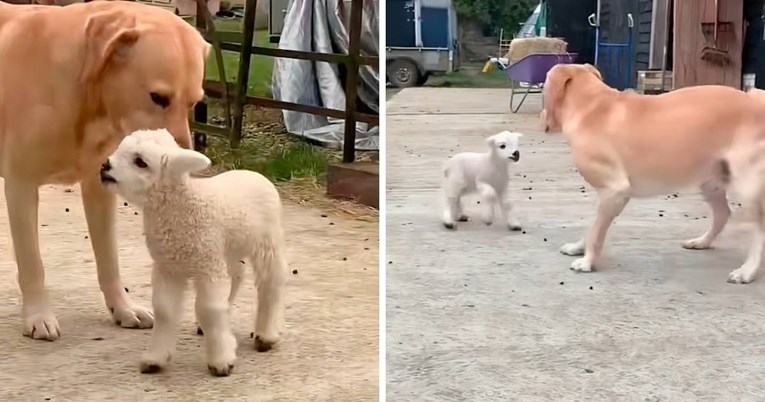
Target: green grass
272,154
261,67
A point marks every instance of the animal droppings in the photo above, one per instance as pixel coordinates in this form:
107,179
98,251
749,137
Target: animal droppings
127,290
661,215
66,210
390,262
561,283
590,287
125,204
588,371
294,272
135,213
524,232
323,215
345,258
86,236
98,338
545,239
527,188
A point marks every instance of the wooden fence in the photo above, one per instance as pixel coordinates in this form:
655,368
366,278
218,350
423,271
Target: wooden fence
235,96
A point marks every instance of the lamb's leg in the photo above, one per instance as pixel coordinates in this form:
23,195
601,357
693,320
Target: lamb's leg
611,204
22,199
271,276
490,199
100,213
506,208
452,209
715,195
167,301
212,310
236,272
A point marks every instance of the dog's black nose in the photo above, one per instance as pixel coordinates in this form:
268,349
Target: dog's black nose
106,166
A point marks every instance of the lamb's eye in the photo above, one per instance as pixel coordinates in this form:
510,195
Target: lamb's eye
140,162
160,100
503,146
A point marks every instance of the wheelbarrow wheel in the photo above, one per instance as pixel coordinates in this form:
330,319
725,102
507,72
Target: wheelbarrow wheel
403,73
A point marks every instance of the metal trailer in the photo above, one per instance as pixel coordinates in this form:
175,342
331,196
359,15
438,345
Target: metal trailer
421,38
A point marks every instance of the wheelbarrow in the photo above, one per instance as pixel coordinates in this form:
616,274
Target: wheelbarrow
528,74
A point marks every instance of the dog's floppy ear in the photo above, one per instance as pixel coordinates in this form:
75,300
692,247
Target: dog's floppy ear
594,70
179,161
556,83
107,35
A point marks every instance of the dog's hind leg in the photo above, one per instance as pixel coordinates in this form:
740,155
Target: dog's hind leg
612,203
714,193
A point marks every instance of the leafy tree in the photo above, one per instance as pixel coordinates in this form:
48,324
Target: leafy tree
497,14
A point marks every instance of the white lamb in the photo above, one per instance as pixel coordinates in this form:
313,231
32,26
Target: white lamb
485,173
199,231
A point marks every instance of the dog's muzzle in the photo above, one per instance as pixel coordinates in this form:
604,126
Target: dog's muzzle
515,156
105,177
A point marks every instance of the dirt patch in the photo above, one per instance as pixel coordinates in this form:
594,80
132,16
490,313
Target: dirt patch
329,351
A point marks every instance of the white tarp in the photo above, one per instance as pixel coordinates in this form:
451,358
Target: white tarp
322,26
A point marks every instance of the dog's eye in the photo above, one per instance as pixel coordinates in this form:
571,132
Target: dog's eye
160,100
503,146
140,162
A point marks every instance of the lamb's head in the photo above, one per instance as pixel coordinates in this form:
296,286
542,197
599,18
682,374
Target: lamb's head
504,145
146,158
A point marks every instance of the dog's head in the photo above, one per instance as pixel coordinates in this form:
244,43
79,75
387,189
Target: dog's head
558,79
146,158
505,145
143,67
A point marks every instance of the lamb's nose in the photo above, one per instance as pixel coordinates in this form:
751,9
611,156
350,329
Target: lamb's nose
516,155
106,166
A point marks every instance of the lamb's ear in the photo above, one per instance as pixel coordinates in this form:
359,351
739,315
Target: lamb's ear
491,141
180,161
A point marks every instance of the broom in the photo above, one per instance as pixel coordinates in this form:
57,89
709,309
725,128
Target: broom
712,53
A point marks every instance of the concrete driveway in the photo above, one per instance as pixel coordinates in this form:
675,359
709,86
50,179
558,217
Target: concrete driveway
485,314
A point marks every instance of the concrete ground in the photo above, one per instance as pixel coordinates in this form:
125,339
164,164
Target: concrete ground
329,351
485,314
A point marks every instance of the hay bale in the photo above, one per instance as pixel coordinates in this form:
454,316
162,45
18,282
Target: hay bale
522,47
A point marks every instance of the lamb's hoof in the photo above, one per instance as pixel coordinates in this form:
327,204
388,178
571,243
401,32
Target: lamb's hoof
261,345
514,228
449,226
150,368
199,331
222,371
463,218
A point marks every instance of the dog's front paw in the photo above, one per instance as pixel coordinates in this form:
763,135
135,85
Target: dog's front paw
132,316
699,243
41,325
153,362
573,249
581,265
742,275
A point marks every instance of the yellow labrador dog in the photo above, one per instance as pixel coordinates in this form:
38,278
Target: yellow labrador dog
628,145
73,81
